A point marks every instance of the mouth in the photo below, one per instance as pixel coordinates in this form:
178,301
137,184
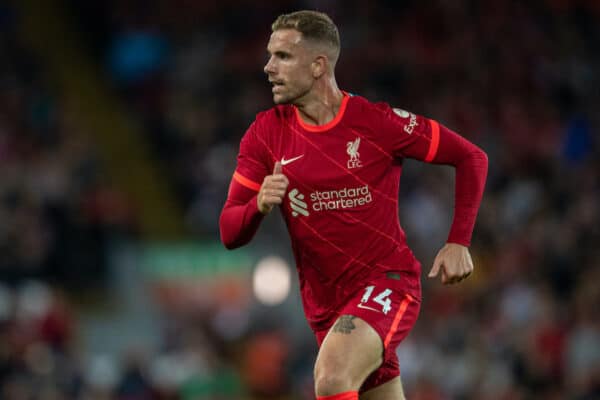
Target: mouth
277,84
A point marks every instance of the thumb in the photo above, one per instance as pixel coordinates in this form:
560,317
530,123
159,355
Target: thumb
435,269
277,168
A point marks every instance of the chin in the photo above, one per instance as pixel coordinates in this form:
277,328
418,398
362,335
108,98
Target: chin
278,99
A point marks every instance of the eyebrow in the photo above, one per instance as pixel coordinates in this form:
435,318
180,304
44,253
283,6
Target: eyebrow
279,53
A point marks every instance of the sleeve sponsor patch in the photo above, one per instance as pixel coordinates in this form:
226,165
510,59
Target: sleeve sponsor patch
412,119
401,113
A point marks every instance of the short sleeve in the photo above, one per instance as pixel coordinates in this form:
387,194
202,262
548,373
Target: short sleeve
408,135
253,161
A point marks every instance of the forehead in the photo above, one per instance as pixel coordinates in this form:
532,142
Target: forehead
284,39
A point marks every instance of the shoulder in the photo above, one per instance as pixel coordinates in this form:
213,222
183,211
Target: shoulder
266,127
386,116
391,113
364,115
273,117
362,104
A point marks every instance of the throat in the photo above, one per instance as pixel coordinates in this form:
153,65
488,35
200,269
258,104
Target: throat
321,115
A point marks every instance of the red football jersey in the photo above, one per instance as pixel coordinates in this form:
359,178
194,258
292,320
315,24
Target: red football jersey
341,205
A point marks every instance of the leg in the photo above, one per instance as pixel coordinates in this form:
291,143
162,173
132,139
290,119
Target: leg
391,390
350,352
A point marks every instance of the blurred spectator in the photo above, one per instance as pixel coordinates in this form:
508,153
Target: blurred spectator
49,179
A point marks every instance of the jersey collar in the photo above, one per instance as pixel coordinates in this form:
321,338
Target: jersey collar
330,124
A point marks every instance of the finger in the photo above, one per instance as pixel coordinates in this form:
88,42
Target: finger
462,277
435,269
273,182
466,272
273,200
277,169
456,278
277,184
263,205
445,277
273,192
279,179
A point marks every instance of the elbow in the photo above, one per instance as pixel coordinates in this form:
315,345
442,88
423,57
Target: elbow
227,241
483,156
479,164
478,154
478,158
483,159
230,243
228,238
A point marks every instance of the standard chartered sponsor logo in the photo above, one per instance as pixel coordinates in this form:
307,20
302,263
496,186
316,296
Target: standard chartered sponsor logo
343,198
298,206
330,199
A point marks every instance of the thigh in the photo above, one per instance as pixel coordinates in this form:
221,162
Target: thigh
352,348
387,309
391,390
392,313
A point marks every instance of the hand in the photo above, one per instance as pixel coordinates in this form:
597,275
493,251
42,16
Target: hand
272,190
454,261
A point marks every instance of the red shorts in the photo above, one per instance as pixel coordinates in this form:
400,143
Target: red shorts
392,313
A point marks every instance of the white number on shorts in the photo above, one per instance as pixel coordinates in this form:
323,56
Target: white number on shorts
382,298
368,292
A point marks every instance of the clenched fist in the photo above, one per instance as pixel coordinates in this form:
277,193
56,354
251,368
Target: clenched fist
272,190
454,262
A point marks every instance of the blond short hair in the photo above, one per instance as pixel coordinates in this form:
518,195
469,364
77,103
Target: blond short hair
314,26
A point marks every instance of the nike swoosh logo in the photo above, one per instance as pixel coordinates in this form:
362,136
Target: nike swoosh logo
360,305
290,160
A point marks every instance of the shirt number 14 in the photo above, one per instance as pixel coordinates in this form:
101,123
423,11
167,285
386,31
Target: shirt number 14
382,298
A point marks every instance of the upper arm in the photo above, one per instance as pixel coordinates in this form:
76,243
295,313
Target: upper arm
409,135
253,161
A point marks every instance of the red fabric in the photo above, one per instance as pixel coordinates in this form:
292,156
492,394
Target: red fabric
340,396
240,218
471,165
341,207
392,326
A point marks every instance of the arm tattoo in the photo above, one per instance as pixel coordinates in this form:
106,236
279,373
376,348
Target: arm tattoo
344,324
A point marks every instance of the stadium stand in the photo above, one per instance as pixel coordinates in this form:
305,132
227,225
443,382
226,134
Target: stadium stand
518,78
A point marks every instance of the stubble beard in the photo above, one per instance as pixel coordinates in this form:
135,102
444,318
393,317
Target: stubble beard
290,99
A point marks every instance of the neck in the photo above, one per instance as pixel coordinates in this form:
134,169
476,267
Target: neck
322,104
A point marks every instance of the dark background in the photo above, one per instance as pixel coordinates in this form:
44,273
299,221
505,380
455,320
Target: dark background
119,126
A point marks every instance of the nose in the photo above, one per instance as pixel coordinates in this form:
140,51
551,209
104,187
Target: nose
269,67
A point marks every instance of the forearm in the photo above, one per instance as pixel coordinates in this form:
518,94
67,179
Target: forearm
471,174
239,221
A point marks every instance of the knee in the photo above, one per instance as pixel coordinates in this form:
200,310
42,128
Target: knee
331,380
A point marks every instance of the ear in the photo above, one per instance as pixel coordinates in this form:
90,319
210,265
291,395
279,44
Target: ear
319,66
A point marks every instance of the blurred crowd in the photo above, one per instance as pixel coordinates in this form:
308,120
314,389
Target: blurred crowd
517,78
56,204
